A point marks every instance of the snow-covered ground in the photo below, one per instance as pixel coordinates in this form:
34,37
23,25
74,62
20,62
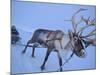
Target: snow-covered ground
24,63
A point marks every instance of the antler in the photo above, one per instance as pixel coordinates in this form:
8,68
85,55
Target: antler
87,38
89,41
88,23
93,32
73,19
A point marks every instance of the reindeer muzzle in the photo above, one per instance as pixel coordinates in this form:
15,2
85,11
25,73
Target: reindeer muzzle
82,53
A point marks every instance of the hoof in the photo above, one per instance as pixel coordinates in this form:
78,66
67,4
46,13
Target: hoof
42,68
61,70
23,52
33,56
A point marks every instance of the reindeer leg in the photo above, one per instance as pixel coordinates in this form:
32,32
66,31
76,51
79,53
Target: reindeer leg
34,46
26,46
60,60
45,60
33,51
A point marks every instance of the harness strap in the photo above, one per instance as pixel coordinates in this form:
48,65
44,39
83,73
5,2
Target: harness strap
49,34
60,43
54,33
70,55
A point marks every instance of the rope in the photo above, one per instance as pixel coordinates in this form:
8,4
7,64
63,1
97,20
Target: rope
70,55
66,61
25,45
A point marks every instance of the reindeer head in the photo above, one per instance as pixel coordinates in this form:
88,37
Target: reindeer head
78,41
77,45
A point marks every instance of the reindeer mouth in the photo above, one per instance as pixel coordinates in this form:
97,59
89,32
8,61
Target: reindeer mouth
81,54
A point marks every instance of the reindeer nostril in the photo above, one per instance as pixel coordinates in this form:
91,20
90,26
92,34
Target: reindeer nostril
83,54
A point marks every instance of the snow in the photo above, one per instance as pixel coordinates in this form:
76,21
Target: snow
24,63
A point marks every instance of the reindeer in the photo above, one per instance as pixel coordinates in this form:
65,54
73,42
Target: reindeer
58,40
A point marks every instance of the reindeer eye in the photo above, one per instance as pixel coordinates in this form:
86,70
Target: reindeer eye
75,38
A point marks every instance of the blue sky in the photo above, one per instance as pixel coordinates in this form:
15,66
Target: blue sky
29,16
45,15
